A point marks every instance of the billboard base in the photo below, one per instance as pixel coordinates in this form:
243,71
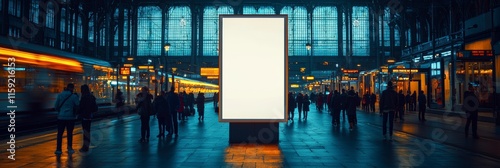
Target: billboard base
254,133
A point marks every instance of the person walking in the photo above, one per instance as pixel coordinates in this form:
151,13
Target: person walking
305,106
120,102
144,109
300,100
291,106
414,100
343,104
388,106
470,106
174,105
66,103
336,101
200,105
160,106
373,100
422,101
87,107
352,102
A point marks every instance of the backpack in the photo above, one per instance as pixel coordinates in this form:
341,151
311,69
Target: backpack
145,107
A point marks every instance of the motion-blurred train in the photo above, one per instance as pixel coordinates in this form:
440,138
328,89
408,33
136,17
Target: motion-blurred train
42,72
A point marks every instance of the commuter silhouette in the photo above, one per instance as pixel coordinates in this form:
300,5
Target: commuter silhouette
336,106
87,106
470,106
291,106
160,105
174,105
144,109
200,105
305,106
65,105
388,106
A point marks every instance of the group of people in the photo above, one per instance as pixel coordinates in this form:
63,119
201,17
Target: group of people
345,103
168,108
70,108
392,105
368,102
301,102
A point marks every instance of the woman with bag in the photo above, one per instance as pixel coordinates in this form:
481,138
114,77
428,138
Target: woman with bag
88,106
65,105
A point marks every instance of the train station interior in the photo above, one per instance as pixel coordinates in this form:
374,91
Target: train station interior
442,52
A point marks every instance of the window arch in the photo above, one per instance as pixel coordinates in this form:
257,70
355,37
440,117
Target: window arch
360,31
258,10
297,30
149,31
178,25
325,31
49,18
211,28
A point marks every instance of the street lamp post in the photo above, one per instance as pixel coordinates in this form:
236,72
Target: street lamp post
149,73
167,47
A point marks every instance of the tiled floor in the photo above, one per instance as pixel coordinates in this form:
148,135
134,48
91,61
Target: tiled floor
311,143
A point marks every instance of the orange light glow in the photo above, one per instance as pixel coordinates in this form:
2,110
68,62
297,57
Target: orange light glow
261,155
209,71
42,60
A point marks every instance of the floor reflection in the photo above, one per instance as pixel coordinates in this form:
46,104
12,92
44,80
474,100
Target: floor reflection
253,155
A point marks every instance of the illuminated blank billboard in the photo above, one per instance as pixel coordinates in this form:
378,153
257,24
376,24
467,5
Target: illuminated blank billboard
253,65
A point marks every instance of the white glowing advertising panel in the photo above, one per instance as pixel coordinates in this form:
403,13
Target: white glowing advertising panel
253,65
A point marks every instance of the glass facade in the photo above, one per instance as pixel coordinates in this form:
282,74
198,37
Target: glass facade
211,28
49,17
15,8
178,25
79,31
325,31
62,22
297,30
360,31
149,31
385,22
34,11
258,10
91,28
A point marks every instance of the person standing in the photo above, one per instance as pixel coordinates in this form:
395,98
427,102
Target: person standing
470,106
144,109
160,105
174,105
191,103
200,105
388,106
352,102
305,106
422,101
216,99
299,100
343,105
409,104
120,102
336,101
373,100
66,103
87,107
291,106
414,100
